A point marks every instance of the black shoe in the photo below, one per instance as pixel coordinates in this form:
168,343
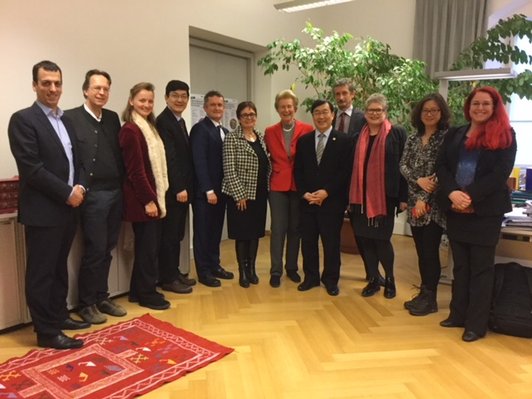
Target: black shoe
425,304
59,341
389,288
71,324
275,281
177,286
107,306
293,275
450,323
332,290
184,279
223,274
209,281
381,280
371,288
307,285
470,336
155,304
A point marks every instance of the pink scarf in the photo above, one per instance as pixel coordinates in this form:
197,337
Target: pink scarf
375,188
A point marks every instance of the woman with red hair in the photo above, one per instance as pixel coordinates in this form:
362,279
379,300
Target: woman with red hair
472,169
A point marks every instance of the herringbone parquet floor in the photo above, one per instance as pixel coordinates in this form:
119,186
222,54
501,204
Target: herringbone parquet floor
292,345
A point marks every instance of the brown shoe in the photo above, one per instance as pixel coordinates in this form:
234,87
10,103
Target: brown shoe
111,308
177,286
183,278
92,315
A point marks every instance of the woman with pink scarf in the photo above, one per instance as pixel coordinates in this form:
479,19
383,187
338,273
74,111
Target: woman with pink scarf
377,192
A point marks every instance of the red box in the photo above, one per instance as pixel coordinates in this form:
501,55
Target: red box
9,195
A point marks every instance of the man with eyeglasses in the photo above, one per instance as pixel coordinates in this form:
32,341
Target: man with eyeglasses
172,128
101,214
348,119
321,173
44,146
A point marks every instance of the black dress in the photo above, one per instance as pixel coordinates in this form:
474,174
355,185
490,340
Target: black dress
250,224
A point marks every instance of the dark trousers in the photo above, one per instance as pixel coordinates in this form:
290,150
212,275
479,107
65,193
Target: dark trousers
284,209
173,231
208,222
375,251
144,274
47,250
427,239
101,216
327,226
472,285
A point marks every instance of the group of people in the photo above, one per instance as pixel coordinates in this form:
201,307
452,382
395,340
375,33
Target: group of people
149,170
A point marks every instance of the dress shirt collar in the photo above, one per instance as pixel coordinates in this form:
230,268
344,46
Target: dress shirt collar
89,111
49,111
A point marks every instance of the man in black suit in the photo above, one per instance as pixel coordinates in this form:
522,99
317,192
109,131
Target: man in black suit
173,131
206,141
321,173
348,120
44,147
101,213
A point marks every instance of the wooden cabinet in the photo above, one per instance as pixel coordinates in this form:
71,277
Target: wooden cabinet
13,309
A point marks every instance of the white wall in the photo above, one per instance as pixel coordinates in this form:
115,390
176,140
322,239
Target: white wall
137,40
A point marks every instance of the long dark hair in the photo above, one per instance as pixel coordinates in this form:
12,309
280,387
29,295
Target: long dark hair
445,113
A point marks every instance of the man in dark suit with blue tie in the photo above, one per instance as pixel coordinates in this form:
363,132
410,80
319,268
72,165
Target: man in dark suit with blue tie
173,131
206,141
321,173
44,146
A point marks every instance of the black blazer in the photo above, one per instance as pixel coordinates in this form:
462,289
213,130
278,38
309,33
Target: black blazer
331,174
394,182
43,168
489,192
207,157
178,156
356,122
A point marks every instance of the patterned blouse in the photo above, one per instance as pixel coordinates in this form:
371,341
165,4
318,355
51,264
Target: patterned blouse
418,161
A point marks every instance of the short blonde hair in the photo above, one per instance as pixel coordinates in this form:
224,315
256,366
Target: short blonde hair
284,94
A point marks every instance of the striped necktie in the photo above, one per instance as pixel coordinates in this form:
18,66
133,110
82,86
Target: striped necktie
320,147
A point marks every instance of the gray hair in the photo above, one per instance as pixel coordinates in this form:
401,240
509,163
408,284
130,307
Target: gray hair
377,98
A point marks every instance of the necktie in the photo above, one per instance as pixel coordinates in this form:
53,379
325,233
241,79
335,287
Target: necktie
341,126
320,147
222,133
183,127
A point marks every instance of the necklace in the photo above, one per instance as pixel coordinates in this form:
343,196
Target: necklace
289,127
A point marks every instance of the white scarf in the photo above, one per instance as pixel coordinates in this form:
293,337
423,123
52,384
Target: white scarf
157,157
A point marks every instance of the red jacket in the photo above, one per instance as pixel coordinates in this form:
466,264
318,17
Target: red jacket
282,177
139,184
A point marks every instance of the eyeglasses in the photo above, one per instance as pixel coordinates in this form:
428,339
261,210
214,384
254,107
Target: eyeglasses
248,116
100,88
175,96
431,111
478,104
374,111
321,113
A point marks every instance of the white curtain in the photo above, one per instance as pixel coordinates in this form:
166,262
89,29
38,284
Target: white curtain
443,28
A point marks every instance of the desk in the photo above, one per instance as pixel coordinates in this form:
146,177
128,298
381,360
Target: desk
515,245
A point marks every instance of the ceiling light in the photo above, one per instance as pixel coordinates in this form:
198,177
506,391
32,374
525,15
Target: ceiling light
300,5
476,74
471,74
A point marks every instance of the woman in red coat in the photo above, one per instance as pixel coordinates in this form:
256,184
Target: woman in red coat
281,140
144,192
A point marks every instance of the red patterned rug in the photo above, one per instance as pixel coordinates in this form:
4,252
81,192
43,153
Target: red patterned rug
120,361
